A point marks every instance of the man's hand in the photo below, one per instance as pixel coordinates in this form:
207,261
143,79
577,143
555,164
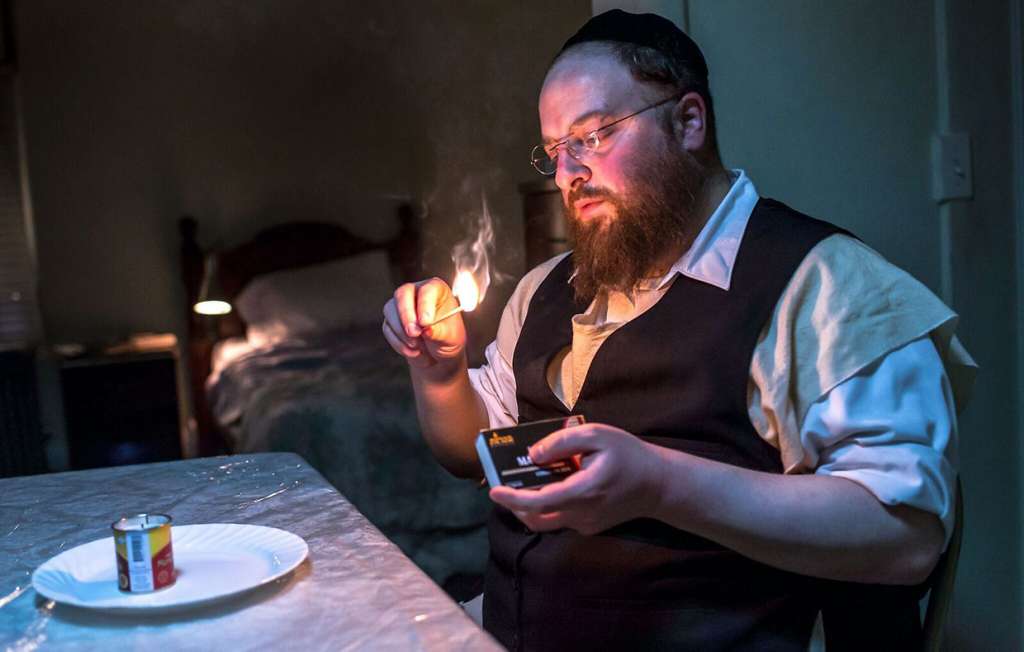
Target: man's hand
620,480
416,304
818,525
449,410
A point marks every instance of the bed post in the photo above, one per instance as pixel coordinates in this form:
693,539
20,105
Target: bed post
404,249
199,341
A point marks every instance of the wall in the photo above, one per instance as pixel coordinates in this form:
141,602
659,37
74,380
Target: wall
244,114
831,112
831,108
988,603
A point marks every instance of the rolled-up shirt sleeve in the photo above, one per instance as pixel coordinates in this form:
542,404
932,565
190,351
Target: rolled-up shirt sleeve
892,429
495,383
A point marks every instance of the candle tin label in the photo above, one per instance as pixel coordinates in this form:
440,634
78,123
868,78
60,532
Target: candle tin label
145,559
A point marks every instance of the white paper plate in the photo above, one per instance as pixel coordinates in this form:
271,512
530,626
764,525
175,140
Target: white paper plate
212,561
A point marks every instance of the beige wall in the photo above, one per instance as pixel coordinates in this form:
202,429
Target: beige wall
244,114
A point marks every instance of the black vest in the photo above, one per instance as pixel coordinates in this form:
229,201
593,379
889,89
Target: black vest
675,376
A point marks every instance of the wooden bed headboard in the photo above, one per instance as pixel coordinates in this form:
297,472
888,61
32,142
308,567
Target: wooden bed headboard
283,246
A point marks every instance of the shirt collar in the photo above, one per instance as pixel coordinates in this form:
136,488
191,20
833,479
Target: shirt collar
712,255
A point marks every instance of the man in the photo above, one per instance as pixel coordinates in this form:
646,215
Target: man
771,421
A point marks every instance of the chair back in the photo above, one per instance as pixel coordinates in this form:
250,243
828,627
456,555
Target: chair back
941,581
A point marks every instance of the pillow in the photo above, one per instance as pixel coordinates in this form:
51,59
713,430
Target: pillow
306,301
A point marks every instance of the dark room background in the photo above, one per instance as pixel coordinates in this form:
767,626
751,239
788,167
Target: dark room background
243,114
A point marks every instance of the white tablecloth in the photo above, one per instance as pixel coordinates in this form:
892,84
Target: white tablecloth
356,590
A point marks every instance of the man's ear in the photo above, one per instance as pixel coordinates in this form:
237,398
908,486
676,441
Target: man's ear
690,121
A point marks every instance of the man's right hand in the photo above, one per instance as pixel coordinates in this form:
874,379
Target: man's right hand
441,345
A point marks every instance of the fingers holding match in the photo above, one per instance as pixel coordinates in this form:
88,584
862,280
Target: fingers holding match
400,342
404,301
395,330
444,315
412,310
411,325
431,296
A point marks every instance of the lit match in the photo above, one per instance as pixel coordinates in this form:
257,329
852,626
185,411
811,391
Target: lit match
473,270
467,294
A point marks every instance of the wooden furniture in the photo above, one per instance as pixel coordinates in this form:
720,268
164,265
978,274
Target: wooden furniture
7,52
285,246
942,579
356,590
21,434
122,408
545,232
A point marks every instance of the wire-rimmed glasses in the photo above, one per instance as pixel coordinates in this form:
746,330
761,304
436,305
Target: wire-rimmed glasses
544,158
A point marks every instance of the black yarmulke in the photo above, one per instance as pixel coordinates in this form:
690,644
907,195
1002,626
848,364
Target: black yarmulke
648,30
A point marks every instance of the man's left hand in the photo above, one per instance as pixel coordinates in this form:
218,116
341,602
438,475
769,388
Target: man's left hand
619,480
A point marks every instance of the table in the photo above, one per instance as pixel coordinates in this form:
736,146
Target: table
355,591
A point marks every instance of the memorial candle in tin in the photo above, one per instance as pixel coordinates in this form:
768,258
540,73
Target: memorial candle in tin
145,559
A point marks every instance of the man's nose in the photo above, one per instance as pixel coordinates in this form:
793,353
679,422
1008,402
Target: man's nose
570,171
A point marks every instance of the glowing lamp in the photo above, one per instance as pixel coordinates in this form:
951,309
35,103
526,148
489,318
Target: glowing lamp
212,300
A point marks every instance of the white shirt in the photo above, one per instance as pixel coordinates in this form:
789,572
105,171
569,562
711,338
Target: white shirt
882,417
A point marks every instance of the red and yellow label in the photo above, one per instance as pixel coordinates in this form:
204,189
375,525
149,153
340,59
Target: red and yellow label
145,559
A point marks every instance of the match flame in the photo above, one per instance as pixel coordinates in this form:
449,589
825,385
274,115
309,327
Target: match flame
466,290
472,262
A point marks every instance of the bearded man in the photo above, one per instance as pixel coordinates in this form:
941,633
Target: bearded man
771,416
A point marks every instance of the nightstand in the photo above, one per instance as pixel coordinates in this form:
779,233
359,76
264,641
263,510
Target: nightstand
122,408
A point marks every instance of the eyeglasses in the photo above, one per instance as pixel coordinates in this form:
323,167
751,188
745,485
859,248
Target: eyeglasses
545,157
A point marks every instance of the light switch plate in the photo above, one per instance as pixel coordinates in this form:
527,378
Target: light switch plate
951,167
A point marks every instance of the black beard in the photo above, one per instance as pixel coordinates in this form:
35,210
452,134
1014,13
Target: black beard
616,254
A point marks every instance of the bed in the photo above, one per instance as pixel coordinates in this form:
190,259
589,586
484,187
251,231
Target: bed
300,365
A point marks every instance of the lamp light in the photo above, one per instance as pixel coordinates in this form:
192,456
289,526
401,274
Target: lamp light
212,300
